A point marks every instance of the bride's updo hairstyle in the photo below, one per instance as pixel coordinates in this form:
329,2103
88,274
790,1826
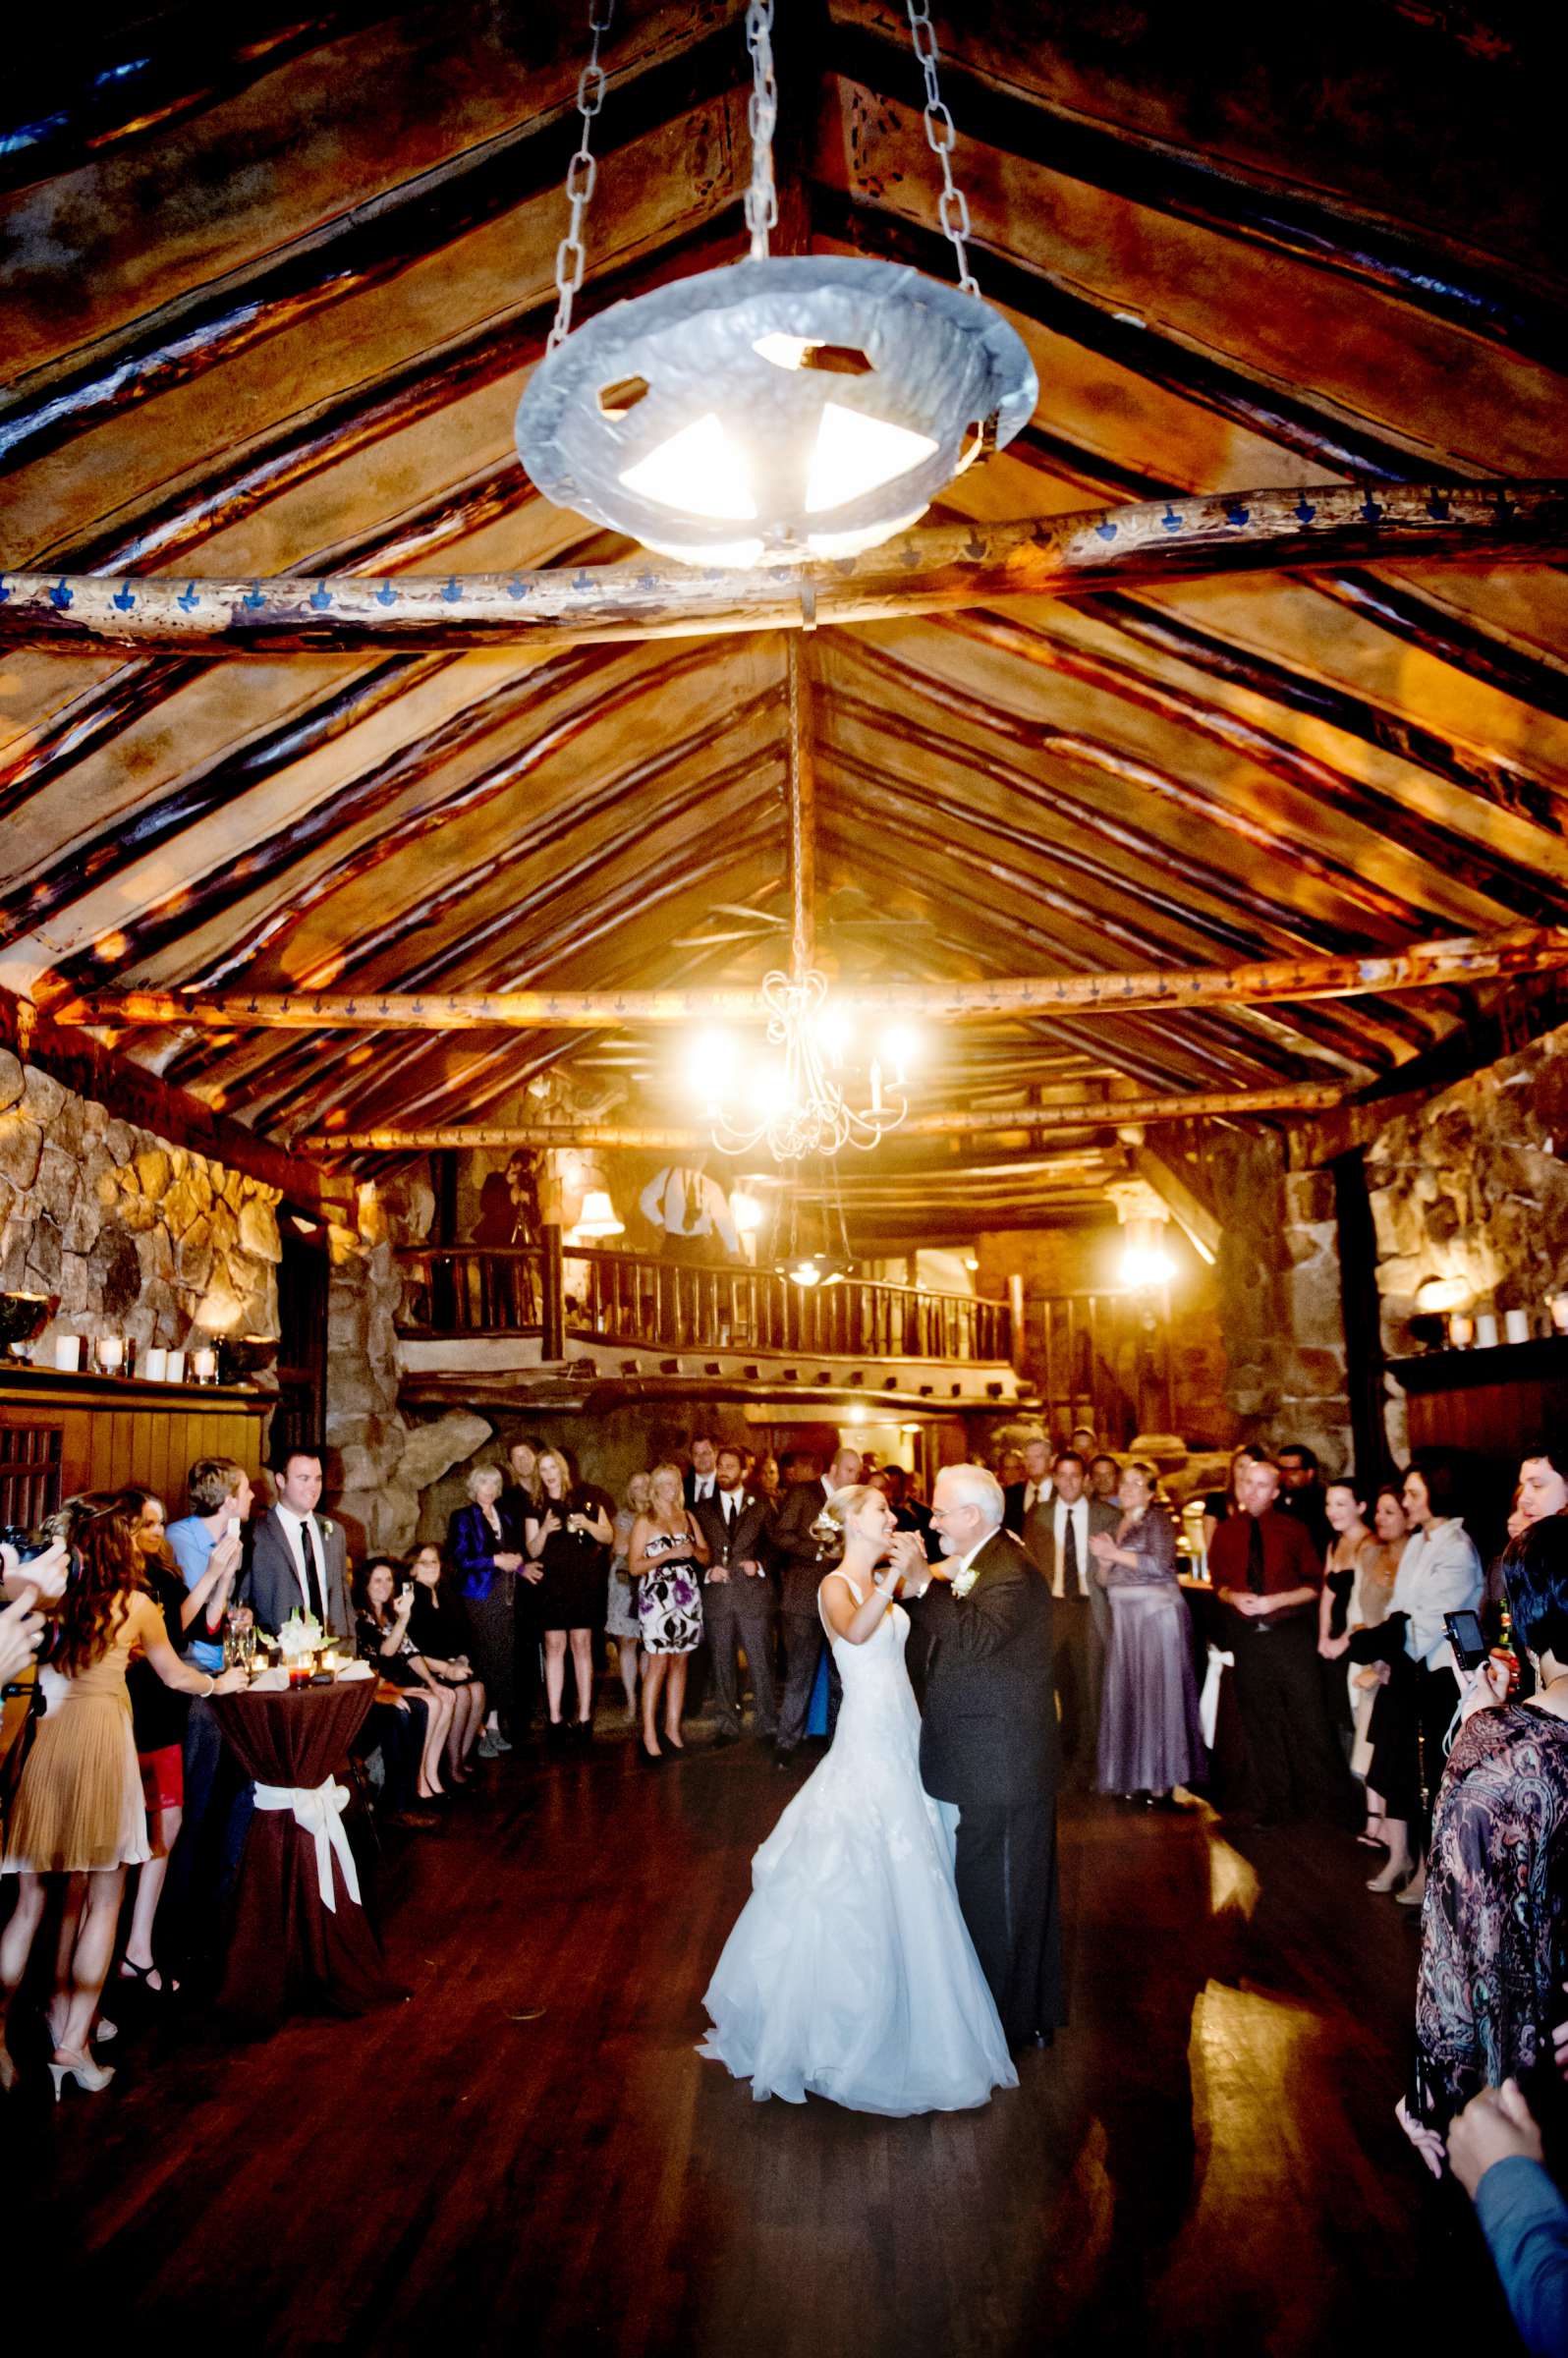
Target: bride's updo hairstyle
842,1504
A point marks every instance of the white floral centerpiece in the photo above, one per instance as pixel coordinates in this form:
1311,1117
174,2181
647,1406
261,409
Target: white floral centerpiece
300,1634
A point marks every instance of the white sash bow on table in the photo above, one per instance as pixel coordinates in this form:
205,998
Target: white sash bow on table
318,1810
1208,1701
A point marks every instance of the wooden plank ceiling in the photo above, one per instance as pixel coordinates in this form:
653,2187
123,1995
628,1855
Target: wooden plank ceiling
270,297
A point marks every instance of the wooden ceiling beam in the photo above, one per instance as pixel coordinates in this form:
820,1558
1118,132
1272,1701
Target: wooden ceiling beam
1496,779
1387,812
1084,1113
1277,849
360,799
357,250
1204,536
1459,960
1431,275
162,527
106,710
1223,1047
931,819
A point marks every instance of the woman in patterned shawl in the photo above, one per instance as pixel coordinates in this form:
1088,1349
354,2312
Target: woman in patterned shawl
1494,1927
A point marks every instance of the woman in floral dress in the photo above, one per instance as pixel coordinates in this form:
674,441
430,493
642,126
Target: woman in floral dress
666,1554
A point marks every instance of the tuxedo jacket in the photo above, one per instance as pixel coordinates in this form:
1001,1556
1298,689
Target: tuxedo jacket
802,1559
989,1735
689,1487
1013,1498
1039,1535
270,1584
745,1540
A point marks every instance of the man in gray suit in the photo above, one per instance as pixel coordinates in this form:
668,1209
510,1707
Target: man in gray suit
740,1603
299,1559
1056,1532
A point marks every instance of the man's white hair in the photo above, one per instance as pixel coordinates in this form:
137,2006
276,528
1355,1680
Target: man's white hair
979,1488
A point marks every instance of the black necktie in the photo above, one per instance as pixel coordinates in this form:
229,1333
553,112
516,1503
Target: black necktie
1070,1586
314,1569
1254,1555
729,1506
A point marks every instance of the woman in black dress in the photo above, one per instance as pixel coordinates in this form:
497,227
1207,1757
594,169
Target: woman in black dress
158,1714
568,1534
385,1606
439,1634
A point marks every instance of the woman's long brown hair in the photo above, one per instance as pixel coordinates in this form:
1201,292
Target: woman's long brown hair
105,1574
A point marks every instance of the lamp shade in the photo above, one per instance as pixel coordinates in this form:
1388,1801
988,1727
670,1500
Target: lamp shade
598,1217
804,407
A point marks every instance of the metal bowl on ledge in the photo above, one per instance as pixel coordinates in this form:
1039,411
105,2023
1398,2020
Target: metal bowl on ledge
23,1318
242,1358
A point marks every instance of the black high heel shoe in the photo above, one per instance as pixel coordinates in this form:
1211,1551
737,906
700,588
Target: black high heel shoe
645,1754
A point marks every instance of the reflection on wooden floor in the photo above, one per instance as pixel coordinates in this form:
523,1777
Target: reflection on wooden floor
529,2156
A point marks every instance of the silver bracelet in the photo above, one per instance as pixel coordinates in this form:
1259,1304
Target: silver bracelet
212,1686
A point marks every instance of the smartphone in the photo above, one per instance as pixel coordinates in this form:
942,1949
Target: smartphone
1468,1639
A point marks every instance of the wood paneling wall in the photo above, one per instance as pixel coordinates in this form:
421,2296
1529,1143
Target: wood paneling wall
112,1435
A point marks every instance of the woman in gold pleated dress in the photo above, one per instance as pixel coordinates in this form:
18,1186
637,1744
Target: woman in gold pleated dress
78,1808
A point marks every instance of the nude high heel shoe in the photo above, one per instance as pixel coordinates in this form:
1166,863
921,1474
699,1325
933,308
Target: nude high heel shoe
90,2077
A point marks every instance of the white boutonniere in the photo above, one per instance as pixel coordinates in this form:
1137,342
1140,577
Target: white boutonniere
326,1525
962,1582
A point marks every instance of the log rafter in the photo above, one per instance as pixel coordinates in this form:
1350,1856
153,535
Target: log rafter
1468,958
1083,1113
1202,536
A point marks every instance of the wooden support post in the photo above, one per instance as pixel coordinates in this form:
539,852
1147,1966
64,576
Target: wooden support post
552,1341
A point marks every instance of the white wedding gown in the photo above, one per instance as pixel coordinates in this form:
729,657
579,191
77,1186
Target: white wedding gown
849,1973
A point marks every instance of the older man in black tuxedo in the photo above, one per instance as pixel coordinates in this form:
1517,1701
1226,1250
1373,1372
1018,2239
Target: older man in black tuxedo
988,1740
739,1604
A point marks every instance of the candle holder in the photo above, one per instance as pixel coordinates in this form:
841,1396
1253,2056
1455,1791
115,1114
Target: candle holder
205,1366
109,1352
1558,1307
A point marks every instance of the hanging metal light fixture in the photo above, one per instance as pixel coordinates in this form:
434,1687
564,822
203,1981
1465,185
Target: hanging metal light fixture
786,408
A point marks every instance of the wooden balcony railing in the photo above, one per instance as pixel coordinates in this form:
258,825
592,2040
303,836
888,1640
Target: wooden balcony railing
656,1305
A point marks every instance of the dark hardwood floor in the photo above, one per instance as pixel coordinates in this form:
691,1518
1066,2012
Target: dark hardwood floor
529,2154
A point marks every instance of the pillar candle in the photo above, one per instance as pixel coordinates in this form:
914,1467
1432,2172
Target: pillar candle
1516,1325
155,1366
1487,1330
68,1353
174,1371
1559,1313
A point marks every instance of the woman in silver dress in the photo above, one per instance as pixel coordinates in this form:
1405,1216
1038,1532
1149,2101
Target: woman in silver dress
1150,1739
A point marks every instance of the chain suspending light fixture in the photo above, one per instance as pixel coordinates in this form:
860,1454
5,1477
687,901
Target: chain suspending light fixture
786,407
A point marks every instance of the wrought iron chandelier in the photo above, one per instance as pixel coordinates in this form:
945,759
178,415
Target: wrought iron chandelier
793,1100
786,408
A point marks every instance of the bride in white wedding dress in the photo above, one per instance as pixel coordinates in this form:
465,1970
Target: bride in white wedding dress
849,1973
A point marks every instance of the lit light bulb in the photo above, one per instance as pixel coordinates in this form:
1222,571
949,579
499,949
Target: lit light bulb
1146,1265
834,1030
699,470
854,455
711,1063
806,1272
899,1049
745,1213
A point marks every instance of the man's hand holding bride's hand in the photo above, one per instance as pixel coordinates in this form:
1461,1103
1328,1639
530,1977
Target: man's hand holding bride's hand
908,1560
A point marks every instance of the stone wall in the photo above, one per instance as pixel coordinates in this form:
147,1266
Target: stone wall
1470,1193
379,1461
136,1235
1279,1283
